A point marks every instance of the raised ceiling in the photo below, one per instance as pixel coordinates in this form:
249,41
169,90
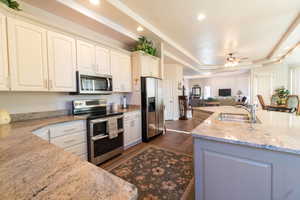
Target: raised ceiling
251,28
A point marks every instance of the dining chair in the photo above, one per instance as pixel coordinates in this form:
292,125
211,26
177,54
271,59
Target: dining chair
262,102
274,99
293,103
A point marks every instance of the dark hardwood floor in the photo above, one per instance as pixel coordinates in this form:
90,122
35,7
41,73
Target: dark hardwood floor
182,125
179,142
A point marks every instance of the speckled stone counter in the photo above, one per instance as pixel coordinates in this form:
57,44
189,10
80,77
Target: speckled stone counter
277,131
31,168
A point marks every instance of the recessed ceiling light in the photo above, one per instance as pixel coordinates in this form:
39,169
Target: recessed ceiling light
95,2
140,29
201,17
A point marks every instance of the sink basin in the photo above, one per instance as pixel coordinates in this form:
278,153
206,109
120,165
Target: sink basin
234,117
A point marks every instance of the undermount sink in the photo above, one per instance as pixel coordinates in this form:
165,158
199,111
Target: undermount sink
234,117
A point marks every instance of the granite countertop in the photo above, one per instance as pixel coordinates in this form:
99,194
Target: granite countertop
31,168
277,131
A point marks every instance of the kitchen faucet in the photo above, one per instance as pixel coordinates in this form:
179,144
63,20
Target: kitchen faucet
252,110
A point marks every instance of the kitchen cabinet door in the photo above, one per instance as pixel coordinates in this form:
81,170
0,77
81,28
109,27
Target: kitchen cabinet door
62,62
154,67
126,79
136,127
145,65
132,129
27,44
102,61
121,72
116,71
86,61
4,84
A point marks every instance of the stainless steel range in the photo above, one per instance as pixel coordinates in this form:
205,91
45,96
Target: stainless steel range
104,130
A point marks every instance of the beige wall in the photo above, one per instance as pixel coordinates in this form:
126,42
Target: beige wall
235,82
23,102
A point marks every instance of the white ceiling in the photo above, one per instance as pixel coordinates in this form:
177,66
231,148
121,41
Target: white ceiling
251,28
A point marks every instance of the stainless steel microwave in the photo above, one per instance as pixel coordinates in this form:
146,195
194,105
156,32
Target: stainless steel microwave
93,84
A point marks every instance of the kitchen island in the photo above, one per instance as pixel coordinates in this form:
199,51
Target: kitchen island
237,160
31,168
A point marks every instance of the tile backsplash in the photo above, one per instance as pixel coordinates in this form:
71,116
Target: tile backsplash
28,102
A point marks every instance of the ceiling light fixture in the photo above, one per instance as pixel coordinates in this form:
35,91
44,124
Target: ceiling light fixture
95,2
140,29
201,17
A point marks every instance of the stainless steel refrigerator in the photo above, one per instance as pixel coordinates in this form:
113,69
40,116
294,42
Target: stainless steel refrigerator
152,107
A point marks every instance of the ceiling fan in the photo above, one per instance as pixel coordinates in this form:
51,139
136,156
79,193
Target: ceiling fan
232,61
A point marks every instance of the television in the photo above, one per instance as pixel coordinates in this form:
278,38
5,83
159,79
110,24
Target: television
224,92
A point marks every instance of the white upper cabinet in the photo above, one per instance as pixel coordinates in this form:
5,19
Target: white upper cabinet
121,72
125,71
27,44
3,55
86,57
143,65
149,65
62,62
155,67
102,61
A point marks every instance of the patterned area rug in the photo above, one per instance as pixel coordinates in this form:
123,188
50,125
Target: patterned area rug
158,173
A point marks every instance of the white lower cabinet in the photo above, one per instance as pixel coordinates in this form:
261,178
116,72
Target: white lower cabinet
71,136
132,128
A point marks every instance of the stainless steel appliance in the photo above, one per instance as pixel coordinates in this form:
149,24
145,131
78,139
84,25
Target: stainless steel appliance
93,84
152,108
104,130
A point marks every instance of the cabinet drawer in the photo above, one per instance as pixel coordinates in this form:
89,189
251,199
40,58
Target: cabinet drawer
69,140
77,149
67,128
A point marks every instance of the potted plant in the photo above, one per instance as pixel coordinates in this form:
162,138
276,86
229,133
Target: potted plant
145,45
11,4
282,94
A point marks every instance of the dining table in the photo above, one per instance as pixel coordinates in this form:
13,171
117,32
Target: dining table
282,108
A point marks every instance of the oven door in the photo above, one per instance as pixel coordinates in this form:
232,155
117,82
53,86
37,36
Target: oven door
101,147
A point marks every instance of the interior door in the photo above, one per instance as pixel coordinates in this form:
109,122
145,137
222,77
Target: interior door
168,96
3,55
27,56
62,62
